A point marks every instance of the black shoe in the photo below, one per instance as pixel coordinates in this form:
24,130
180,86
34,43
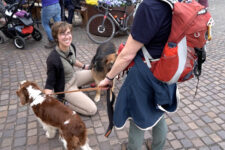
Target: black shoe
77,7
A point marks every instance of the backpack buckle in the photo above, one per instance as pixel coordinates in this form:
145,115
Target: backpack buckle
209,25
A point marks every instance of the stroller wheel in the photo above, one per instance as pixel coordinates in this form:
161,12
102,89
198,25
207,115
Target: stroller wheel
2,38
19,42
36,34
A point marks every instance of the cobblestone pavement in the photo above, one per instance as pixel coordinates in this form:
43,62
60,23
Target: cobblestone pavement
199,122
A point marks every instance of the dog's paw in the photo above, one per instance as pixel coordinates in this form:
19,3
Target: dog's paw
49,136
97,98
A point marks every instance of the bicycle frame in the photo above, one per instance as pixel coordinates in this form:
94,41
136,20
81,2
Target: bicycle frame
122,27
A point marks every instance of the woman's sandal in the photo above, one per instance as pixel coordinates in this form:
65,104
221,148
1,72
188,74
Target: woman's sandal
124,146
148,144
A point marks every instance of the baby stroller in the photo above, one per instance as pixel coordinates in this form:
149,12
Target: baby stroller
18,25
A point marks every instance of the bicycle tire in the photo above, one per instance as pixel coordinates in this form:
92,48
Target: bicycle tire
129,22
94,32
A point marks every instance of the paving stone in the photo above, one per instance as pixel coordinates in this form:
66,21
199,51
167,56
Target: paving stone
32,125
32,147
20,141
101,138
32,140
207,140
100,130
6,148
42,139
179,134
190,134
186,143
192,125
221,134
21,120
121,134
215,137
32,132
6,142
21,126
197,142
92,140
8,133
3,114
215,147
204,148
20,133
176,144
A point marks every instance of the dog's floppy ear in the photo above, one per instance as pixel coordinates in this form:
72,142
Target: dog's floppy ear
109,61
22,93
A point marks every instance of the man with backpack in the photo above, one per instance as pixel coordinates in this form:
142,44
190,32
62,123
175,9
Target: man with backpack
138,97
175,41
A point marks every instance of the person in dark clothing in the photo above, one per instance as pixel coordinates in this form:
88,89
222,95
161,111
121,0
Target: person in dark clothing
71,5
138,97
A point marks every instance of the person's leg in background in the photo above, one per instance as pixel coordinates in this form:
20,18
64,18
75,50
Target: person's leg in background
46,14
57,15
71,14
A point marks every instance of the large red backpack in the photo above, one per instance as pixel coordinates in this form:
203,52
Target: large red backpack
183,53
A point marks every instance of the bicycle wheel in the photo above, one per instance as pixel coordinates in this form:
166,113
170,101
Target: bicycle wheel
129,22
100,33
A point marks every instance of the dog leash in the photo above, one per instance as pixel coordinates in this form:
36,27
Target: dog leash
78,90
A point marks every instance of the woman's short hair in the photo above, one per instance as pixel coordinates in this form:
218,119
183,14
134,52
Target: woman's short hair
60,27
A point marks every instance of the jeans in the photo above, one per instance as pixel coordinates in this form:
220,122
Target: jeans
48,12
136,136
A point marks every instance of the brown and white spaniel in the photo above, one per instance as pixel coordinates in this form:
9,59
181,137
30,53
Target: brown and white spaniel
54,115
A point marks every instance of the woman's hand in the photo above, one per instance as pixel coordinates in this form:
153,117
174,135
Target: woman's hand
86,67
105,84
48,91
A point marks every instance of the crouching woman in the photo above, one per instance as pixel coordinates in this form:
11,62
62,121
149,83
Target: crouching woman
61,72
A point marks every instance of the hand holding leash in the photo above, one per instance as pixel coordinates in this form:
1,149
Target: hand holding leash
48,91
105,84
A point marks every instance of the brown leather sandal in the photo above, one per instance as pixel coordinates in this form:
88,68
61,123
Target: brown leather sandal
148,144
124,146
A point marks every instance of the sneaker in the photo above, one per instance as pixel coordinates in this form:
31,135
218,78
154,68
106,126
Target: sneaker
50,44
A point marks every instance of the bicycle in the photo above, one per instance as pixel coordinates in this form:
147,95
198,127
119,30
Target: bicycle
105,24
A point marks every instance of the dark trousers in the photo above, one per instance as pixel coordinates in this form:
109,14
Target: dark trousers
70,9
